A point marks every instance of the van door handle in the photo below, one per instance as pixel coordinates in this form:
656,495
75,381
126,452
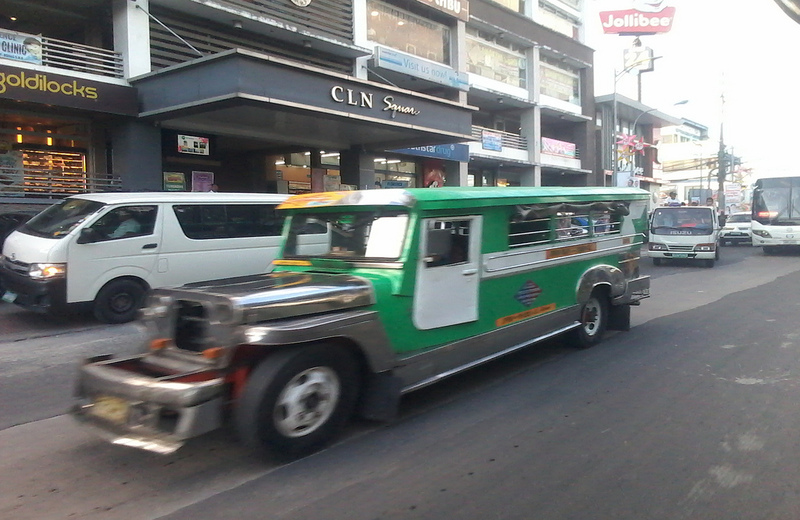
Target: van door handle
149,246
468,272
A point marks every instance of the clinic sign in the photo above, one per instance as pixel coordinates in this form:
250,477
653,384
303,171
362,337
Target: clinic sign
645,18
21,47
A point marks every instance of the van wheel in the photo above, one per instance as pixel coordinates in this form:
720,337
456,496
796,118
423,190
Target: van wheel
119,301
297,401
657,261
709,262
593,319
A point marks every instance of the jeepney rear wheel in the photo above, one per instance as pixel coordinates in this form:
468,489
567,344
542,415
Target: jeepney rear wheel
297,401
593,320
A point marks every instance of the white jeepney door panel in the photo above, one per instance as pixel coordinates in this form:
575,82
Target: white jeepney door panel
448,273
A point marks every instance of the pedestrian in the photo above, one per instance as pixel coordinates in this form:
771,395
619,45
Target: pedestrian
214,188
672,200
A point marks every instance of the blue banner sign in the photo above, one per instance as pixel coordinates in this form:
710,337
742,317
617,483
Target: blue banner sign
407,64
450,152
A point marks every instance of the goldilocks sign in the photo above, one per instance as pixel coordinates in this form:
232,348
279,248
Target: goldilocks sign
56,89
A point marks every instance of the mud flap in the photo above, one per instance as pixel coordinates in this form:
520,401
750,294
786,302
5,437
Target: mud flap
381,397
619,317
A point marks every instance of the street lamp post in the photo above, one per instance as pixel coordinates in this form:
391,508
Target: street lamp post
617,76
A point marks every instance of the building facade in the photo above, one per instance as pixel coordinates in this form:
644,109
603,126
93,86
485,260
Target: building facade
292,95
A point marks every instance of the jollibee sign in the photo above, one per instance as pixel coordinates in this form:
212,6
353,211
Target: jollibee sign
645,17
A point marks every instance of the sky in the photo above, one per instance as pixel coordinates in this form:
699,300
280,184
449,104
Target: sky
740,51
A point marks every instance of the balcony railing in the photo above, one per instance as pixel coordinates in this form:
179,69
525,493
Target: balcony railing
55,183
507,139
82,58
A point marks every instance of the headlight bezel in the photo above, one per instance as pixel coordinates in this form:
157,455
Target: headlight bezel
47,271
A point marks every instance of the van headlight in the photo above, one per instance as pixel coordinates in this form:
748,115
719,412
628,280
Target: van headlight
47,271
655,246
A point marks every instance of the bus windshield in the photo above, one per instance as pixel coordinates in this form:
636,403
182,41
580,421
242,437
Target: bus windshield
777,201
59,219
352,235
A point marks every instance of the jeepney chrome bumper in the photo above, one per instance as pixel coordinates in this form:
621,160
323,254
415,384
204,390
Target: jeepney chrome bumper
636,289
131,403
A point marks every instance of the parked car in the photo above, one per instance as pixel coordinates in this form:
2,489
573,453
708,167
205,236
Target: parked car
736,230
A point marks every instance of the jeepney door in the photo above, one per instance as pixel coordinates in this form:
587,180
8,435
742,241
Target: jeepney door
447,281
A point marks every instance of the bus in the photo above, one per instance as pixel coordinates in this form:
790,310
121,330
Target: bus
412,286
776,213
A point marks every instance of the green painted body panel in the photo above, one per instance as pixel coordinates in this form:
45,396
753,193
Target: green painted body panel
558,283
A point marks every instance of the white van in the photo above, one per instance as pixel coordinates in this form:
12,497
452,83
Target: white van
108,249
681,232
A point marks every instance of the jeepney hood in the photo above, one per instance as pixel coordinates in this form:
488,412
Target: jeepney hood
254,299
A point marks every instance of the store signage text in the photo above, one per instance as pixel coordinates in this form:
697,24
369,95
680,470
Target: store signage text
457,8
365,99
401,62
631,21
41,83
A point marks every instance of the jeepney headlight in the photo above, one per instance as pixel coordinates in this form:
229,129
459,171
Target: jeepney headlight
157,307
704,247
655,246
763,233
47,271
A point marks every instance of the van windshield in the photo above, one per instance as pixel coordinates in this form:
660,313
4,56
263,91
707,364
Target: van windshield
353,235
682,221
61,218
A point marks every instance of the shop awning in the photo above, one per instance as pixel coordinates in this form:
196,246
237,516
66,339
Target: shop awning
252,96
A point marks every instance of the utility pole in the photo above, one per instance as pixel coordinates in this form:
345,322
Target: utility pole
722,163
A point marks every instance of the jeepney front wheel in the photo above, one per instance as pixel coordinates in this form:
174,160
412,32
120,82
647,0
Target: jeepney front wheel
593,320
297,401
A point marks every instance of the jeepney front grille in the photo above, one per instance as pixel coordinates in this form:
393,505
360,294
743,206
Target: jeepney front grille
192,326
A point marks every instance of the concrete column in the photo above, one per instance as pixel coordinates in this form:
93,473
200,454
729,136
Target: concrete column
136,156
132,35
357,168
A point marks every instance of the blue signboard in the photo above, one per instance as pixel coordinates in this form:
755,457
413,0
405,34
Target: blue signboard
450,152
413,66
491,140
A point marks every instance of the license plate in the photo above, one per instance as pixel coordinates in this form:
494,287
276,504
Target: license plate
680,255
9,296
111,409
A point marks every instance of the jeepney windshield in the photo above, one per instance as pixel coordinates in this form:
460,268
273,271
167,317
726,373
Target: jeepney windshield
350,235
59,219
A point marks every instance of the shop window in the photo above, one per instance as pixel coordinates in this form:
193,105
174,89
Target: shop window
559,80
514,5
404,31
495,59
558,21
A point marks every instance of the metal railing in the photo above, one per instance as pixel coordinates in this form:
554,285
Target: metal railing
508,140
55,183
82,58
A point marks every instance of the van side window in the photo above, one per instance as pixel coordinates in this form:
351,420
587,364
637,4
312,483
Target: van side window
447,243
208,221
126,222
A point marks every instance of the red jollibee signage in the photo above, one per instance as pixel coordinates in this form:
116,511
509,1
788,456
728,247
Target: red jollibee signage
632,21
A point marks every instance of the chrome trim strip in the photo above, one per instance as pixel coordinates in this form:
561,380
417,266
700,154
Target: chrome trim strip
438,377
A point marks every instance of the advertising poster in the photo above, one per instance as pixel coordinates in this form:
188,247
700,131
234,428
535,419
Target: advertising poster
193,145
12,173
174,181
21,47
202,181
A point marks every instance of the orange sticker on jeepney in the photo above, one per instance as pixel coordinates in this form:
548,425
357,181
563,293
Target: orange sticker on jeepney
577,249
524,315
310,200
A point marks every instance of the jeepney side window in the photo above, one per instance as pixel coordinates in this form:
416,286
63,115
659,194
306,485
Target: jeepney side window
528,232
447,243
604,223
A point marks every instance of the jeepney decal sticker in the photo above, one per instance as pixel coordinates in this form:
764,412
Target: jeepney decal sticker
524,315
309,200
528,293
571,250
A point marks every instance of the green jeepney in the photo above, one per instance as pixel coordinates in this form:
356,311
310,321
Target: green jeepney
406,288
